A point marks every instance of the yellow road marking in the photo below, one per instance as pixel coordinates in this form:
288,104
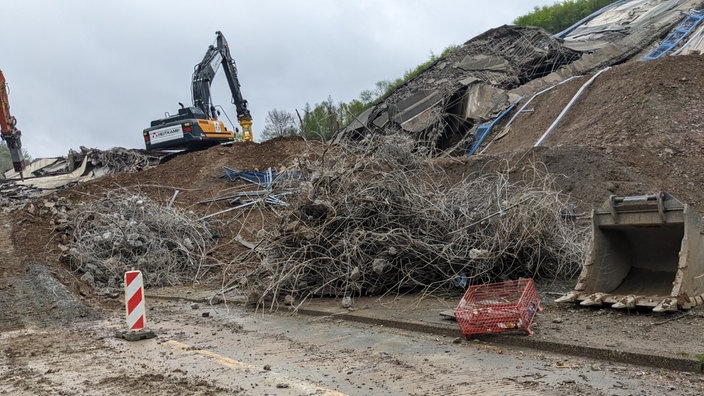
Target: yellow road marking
237,365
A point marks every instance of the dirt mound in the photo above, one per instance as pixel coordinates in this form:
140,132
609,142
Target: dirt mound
32,294
636,129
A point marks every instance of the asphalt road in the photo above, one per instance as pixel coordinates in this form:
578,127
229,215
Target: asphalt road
232,351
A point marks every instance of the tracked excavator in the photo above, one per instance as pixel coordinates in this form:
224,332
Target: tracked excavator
8,128
197,126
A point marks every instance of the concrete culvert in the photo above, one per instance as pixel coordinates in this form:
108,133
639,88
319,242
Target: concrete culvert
646,251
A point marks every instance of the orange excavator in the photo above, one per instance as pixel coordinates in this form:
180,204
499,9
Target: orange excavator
198,126
8,129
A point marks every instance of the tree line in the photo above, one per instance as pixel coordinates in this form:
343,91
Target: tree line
322,120
561,15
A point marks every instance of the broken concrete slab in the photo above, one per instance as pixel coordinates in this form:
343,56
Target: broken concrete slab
484,100
625,18
500,59
519,61
483,62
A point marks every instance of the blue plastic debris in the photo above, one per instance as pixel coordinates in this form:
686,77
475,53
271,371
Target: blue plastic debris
262,179
483,130
676,36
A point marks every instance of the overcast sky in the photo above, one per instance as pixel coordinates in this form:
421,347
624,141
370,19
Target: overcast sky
95,73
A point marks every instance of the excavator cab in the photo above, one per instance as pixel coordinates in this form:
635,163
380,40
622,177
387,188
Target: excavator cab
189,129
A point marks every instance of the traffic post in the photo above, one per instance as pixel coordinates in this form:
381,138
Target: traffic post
135,308
134,300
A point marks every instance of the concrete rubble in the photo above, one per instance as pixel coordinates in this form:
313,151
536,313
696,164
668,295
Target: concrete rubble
444,105
45,175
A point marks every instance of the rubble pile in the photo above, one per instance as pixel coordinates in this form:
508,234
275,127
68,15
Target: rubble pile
46,175
468,85
504,57
385,214
115,160
104,237
388,221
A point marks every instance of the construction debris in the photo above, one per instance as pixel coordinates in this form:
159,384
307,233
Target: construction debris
267,180
466,87
383,216
444,106
46,175
120,231
386,222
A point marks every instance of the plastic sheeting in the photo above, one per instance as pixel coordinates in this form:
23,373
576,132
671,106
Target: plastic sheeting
639,17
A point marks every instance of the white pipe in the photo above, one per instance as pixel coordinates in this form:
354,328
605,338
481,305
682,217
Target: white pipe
523,108
569,105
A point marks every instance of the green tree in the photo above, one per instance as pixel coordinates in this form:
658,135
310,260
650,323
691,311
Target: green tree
279,123
561,15
322,121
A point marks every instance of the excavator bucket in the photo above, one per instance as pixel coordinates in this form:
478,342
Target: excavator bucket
647,251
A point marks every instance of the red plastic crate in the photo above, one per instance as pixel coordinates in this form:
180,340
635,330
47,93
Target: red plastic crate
498,307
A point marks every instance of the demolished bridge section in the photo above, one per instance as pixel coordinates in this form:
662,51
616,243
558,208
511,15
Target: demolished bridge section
443,106
442,103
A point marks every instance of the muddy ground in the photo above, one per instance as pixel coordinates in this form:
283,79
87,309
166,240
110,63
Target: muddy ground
637,130
231,351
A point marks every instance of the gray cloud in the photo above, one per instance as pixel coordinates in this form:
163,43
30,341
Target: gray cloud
96,73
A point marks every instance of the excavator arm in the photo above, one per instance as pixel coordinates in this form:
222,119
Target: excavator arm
230,69
203,75
219,55
10,133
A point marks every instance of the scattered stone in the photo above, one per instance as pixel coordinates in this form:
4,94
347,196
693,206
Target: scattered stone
195,306
379,266
282,386
355,274
457,340
88,278
557,320
346,302
267,367
206,314
289,300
